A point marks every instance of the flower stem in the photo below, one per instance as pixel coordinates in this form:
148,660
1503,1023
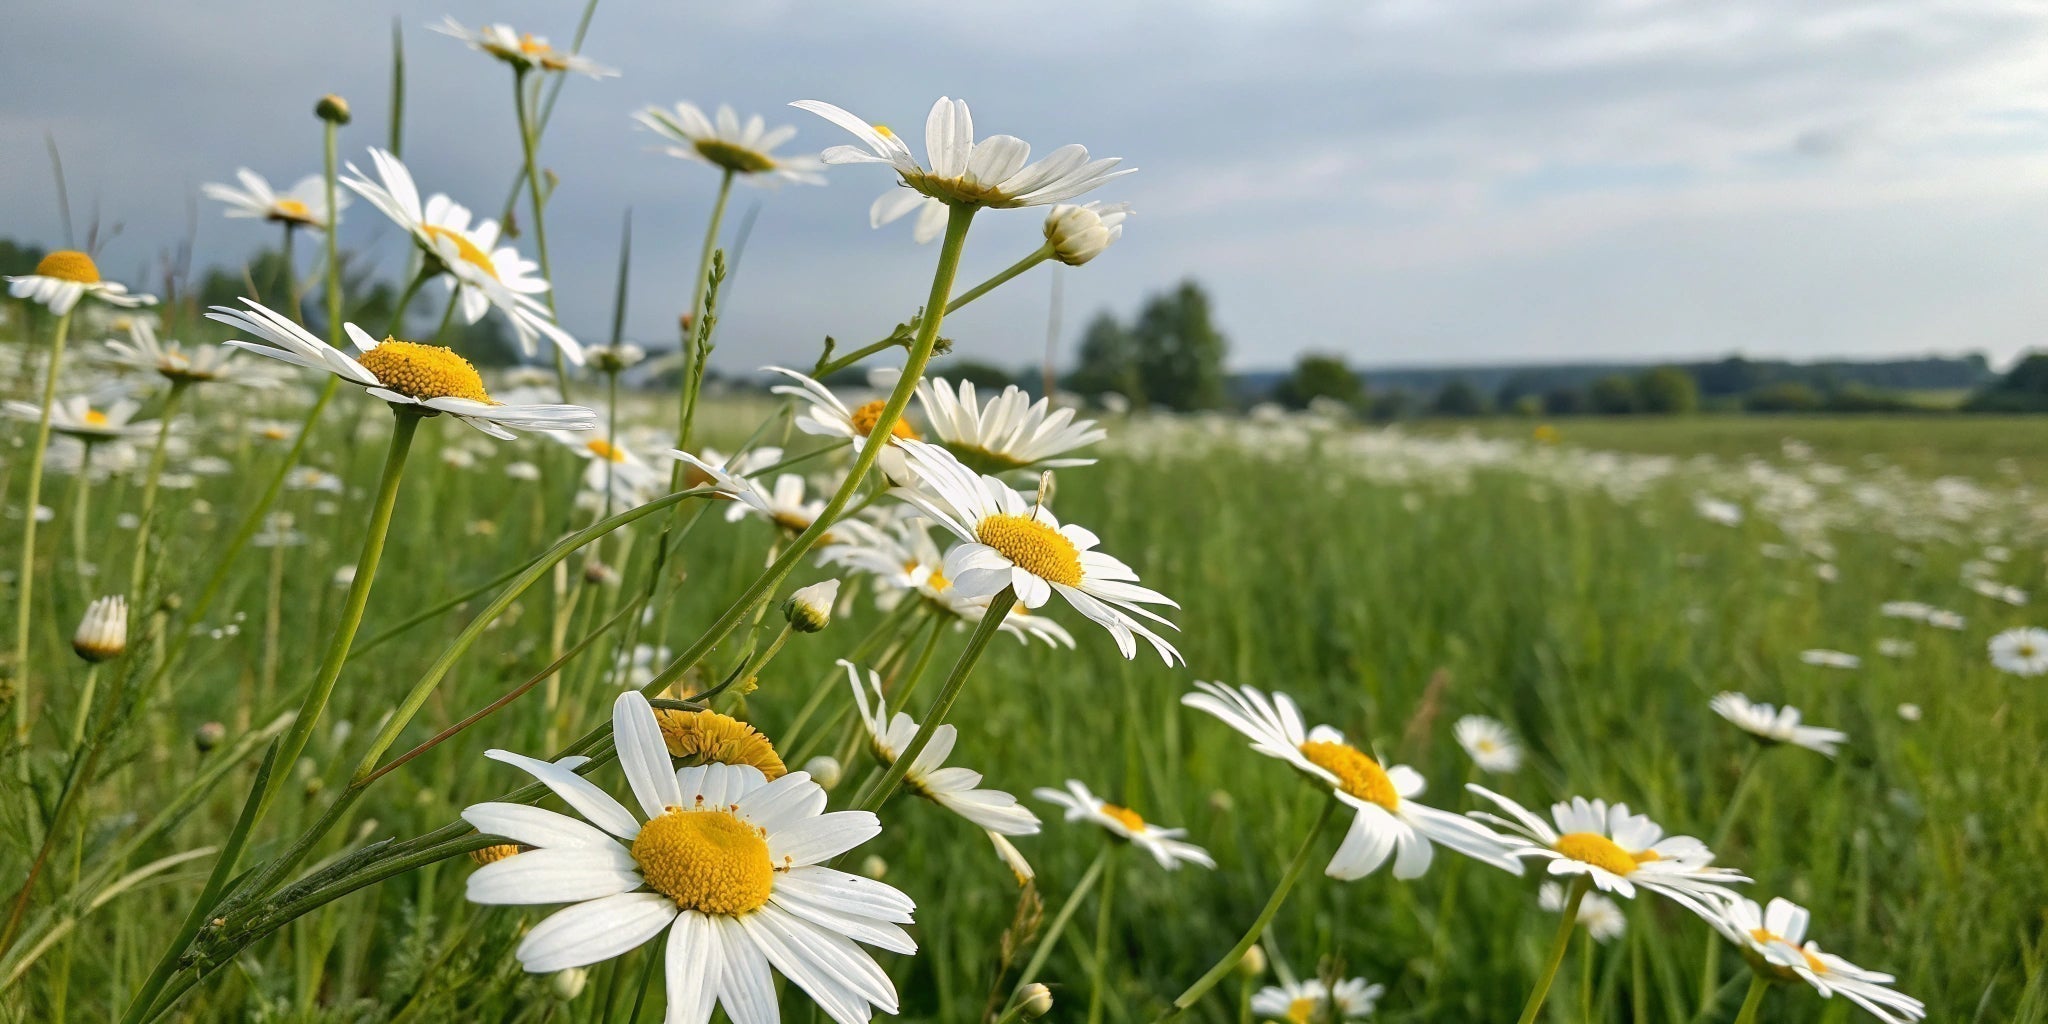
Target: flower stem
1745,781
1229,961
333,247
24,688
528,141
147,514
1098,980
1565,924
1051,936
991,621
691,330
825,369
1754,1000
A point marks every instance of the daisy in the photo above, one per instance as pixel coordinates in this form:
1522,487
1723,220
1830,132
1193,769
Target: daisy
746,150
1009,432
1012,544
1315,1002
729,864
1913,610
426,379
1601,917
303,205
523,50
782,504
481,275
612,465
1895,647
76,417
1489,744
2022,651
1164,844
1824,658
951,788
1619,851
1078,234
902,557
67,275
1773,939
830,417
1941,618
1388,822
171,360
991,173
1775,725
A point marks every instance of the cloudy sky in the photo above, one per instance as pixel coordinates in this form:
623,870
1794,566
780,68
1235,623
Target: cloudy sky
1405,182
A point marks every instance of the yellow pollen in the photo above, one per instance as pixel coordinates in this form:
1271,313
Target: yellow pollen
1602,852
701,737
1124,816
706,860
1302,1011
493,854
1358,775
528,44
938,582
69,265
465,248
1764,937
865,418
291,209
1035,547
424,371
606,450
95,418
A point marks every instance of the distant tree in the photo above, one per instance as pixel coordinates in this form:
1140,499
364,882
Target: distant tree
1786,396
1179,350
1731,376
1527,406
1391,405
1518,385
985,376
2024,388
1668,391
1614,395
1107,360
1319,376
1458,398
1858,398
1565,402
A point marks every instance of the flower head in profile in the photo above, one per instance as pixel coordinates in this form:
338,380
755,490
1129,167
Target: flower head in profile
1775,725
1314,1001
523,50
1008,542
66,276
728,863
1010,432
1164,844
1599,916
79,416
902,558
2022,651
1080,233
1387,822
1489,744
956,789
1621,852
425,379
1821,657
1773,939
481,274
173,362
828,416
994,172
102,633
303,205
744,148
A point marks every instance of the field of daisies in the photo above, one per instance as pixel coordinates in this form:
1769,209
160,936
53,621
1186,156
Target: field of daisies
346,682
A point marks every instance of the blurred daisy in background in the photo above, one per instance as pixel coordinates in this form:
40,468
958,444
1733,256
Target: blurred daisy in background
1601,917
2022,651
1164,844
303,205
523,50
1773,939
746,149
78,417
1489,744
1775,725
64,277
173,362
1821,657
1619,851
1008,432
1315,1002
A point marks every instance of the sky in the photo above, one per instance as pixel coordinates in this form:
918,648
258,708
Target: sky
1407,182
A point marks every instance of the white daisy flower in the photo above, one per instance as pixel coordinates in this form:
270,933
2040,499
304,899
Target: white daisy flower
1775,725
830,417
746,149
66,276
482,275
312,478
1314,1002
954,789
427,378
990,173
1941,618
1009,432
175,363
1895,647
1388,823
1078,234
729,864
1823,658
2022,651
1773,939
1489,744
76,417
782,503
1601,917
632,480
1913,610
1011,543
1164,844
523,50
1714,510
901,556
302,205
615,358
1619,851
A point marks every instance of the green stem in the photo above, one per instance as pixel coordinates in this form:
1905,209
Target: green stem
333,247
825,369
1754,1000
692,330
1745,782
1098,980
1562,942
24,687
1229,961
528,142
147,515
1051,935
288,275
934,716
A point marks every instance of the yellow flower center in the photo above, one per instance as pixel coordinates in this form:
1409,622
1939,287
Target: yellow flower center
883,131
701,737
291,209
275,433
734,158
1302,1011
465,248
1035,547
706,860
792,522
529,45
1765,937
865,418
606,450
424,371
95,418
1602,852
493,854
69,265
1358,775
1124,816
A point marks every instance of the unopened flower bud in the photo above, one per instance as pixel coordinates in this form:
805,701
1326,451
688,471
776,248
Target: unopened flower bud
1036,1000
874,867
810,609
824,770
1078,234
208,736
332,109
1253,963
492,854
103,631
567,985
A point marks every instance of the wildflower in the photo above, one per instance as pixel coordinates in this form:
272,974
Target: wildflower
1775,725
1388,821
1009,432
1824,658
1489,744
707,737
524,51
1773,939
423,379
824,770
302,205
1714,510
567,985
522,471
1913,610
2022,651
1036,1000
1315,1002
955,789
1619,851
1944,619
1164,844
1894,647
66,276
103,631
1078,234
614,358
76,417
1909,712
1601,917
170,360
729,864
746,150
809,610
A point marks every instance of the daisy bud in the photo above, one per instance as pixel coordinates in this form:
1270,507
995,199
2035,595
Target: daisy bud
1253,963
874,867
1036,1000
493,854
208,736
1078,234
567,985
823,770
810,610
103,631
332,109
